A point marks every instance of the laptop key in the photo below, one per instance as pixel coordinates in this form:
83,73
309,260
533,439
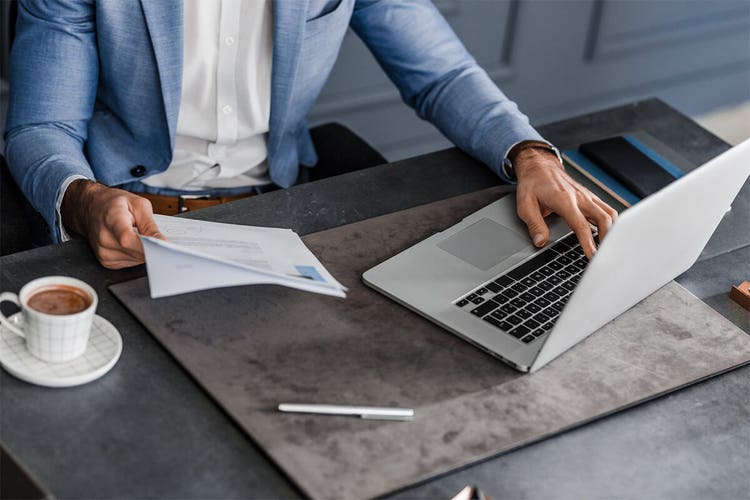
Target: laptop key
547,271
477,300
517,302
503,325
528,281
546,286
538,332
551,296
572,269
500,299
484,309
527,297
571,240
548,326
556,266
471,296
519,287
536,291
560,291
541,317
558,306
504,281
509,292
527,339
514,320
481,291
537,276
498,314
551,312
519,331
508,309
493,287
576,278
462,302
564,260
542,301
555,280
561,246
523,313
532,323
561,274
533,308
569,286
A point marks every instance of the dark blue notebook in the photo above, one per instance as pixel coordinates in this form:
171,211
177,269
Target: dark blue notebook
608,183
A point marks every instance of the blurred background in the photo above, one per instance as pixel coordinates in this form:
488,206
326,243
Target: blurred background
556,59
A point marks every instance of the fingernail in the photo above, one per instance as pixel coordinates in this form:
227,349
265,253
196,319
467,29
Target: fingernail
538,239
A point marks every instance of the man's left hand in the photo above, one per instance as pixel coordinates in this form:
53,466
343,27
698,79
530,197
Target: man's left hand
544,187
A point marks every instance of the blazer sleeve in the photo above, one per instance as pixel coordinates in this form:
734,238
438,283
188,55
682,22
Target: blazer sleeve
53,81
438,78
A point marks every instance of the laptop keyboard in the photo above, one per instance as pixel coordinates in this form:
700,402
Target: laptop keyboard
526,301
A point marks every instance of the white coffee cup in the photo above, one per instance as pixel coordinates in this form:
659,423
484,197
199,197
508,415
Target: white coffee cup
62,332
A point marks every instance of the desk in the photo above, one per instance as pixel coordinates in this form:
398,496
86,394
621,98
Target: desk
147,430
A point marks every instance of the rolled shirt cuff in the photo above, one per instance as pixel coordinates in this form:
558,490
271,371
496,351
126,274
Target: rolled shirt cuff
59,227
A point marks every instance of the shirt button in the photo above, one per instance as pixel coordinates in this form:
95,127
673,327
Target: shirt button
138,171
227,109
229,41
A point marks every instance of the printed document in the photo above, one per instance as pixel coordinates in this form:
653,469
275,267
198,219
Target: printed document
199,255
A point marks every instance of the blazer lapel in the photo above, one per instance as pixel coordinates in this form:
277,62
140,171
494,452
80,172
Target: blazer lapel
288,28
164,19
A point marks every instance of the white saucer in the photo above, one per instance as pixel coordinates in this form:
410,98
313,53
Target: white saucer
102,352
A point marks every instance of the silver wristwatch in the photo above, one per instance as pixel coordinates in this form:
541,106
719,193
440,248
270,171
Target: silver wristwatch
510,171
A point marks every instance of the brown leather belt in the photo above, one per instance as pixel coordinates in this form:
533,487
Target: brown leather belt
173,205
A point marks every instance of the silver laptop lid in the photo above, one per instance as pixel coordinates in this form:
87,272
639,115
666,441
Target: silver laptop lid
648,245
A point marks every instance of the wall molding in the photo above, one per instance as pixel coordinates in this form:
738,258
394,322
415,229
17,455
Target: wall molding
600,45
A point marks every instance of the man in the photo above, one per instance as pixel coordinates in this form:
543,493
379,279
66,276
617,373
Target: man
165,97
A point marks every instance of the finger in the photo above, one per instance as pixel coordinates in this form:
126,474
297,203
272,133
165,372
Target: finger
600,218
126,239
610,210
120,264
143,214
580,226
529,212
116,259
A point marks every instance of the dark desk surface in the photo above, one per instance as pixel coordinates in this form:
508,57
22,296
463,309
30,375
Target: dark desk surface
147,430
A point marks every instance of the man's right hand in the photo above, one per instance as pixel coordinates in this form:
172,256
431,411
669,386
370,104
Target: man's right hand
109,217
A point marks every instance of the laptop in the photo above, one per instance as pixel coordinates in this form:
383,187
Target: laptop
483,280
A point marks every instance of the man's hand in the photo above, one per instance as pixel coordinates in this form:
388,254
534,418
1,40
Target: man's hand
544,187
108,217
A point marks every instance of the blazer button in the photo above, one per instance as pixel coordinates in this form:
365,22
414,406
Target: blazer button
138,171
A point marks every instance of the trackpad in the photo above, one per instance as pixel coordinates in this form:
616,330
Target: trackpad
484,244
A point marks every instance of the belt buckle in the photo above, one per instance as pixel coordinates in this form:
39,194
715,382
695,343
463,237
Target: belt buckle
183,197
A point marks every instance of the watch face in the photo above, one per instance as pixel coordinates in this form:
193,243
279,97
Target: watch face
508,170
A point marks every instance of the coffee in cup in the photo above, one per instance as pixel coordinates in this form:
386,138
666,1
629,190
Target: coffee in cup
57,312
59,300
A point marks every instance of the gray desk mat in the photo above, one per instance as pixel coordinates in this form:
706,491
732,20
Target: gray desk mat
256,346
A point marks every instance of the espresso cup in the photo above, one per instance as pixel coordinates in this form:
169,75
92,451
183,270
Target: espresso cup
57,315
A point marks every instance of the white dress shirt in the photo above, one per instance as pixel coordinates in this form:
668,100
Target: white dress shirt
225,106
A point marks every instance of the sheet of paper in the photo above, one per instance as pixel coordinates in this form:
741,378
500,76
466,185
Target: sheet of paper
199,255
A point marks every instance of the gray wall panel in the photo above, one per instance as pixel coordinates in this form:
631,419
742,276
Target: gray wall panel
558,58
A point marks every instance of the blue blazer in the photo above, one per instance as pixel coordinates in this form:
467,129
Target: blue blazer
95,86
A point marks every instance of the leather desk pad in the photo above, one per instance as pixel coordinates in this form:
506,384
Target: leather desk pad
254,347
